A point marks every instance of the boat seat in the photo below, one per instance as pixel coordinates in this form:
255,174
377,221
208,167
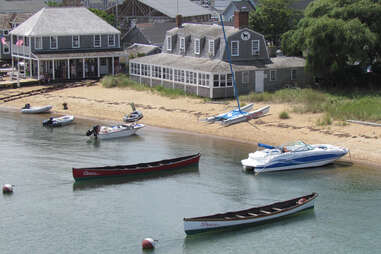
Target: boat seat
240,216
277,209
266,212
252,214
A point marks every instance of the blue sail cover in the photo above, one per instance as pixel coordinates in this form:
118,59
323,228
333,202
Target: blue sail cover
231,114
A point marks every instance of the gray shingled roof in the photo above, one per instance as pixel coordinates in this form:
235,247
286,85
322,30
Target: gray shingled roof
214,66
19,6
201,30
137,48
155,32
64,21
6,19
243,4
185,8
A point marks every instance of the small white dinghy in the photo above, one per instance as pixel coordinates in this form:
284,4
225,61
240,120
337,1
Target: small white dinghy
27,109
117,131
58,121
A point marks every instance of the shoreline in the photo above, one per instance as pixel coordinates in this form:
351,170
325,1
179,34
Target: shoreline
183,115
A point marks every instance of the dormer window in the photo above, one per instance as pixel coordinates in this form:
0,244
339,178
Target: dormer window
235,48
197,46
169,43
182,44
111,40
211,48
97,41
75,41
53,42
255,47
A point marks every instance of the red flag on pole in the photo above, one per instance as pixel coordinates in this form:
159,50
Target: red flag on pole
3,41
19,42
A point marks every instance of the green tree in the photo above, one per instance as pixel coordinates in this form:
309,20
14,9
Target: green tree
273,18
337,36
109,18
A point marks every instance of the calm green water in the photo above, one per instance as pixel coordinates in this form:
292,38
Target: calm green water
48,213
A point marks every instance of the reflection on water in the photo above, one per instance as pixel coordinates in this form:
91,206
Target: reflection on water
45,215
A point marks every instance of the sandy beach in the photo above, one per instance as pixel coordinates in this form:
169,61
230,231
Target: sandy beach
185,114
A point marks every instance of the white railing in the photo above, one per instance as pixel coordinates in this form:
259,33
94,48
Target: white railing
21,50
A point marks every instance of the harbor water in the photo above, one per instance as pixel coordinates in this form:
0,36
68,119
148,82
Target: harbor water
50,213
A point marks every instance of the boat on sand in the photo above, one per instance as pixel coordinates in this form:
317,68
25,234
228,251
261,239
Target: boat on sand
251,216
27,109
167,165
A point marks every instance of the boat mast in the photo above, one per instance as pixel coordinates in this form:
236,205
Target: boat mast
230,63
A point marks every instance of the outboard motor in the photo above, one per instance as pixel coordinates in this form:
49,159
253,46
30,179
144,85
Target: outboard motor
48,122
94,131
27,106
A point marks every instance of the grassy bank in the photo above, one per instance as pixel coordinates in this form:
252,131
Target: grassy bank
356,106
359,106
122,80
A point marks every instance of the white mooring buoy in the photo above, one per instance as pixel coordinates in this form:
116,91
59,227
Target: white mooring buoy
7,188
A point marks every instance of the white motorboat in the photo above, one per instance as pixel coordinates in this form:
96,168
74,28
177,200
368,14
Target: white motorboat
292,156
27,109
58,121
117,131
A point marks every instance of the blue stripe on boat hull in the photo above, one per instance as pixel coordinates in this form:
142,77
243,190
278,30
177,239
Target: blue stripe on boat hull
303,160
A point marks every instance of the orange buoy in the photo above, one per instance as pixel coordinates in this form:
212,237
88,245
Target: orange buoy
7,188
148,243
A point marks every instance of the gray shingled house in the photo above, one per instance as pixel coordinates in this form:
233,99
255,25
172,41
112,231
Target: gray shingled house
195,59
66,43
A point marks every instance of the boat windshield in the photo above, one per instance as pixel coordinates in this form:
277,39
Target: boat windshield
297,146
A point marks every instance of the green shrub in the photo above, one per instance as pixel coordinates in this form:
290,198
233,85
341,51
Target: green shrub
284,115
325,120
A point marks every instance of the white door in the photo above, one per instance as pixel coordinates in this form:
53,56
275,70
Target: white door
259,78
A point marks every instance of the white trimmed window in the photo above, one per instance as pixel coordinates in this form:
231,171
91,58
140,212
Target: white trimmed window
197,46
169,43
211,48
6,32
53,42
255,47
6,49
26,41
182,44
293,74
111,40
272,75
223,80
235,48
245,77
216,80
38,42
229,79
97,41
75,41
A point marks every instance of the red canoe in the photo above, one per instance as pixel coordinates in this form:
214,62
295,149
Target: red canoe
135,169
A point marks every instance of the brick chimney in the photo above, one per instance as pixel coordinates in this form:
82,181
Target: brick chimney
241,18
179,21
